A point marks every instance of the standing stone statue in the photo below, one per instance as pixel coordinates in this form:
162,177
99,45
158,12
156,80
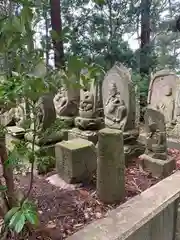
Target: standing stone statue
119,103
156,158
43,120
89,120
164,96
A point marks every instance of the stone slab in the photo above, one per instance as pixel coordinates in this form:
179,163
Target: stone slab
135,217
158,167
13,136
91,136
57,181
16,131
76,160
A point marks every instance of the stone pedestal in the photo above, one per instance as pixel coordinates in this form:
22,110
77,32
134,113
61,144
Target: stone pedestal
65,121
88,123
158,167
76,160
48,139
132,147
91,136
110,166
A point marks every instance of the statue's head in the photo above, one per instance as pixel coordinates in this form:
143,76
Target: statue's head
168,90
112,89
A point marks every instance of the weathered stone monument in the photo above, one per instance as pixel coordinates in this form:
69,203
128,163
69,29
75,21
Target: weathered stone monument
164,96
119,104
42,122
76,160
156,159
110,166
89,121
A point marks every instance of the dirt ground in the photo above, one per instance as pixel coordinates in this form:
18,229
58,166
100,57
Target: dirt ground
64,209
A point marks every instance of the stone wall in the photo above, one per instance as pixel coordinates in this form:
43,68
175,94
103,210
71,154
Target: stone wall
152,215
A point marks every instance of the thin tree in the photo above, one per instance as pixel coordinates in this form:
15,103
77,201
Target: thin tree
56,24
145,37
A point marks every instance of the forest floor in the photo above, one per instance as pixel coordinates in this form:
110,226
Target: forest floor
64,209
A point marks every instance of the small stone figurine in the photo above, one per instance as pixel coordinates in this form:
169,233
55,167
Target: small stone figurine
88,118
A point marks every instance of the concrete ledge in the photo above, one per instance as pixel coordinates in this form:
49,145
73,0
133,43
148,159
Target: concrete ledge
138,217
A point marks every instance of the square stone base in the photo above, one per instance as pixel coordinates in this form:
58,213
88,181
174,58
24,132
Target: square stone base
91,136
76,160
158,167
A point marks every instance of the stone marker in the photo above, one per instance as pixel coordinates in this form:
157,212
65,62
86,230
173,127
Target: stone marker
76,160
119,104
46,136
110,166
156,159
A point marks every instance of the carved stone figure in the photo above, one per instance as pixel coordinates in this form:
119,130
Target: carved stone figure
43,120
88,115
119,99
119,105
156,159
86,106
156,138
20,114
64,105
115,109
167,105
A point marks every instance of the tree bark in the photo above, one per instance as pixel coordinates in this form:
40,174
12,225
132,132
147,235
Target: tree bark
145,37
56,23
8,176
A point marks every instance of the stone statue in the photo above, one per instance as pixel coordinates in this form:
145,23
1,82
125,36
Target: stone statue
44,118
156,145
167,105
88,115
63,105
156,159
86,106
115,109
20,114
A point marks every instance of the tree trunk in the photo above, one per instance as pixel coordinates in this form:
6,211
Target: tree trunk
57,27
8,175
145,37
